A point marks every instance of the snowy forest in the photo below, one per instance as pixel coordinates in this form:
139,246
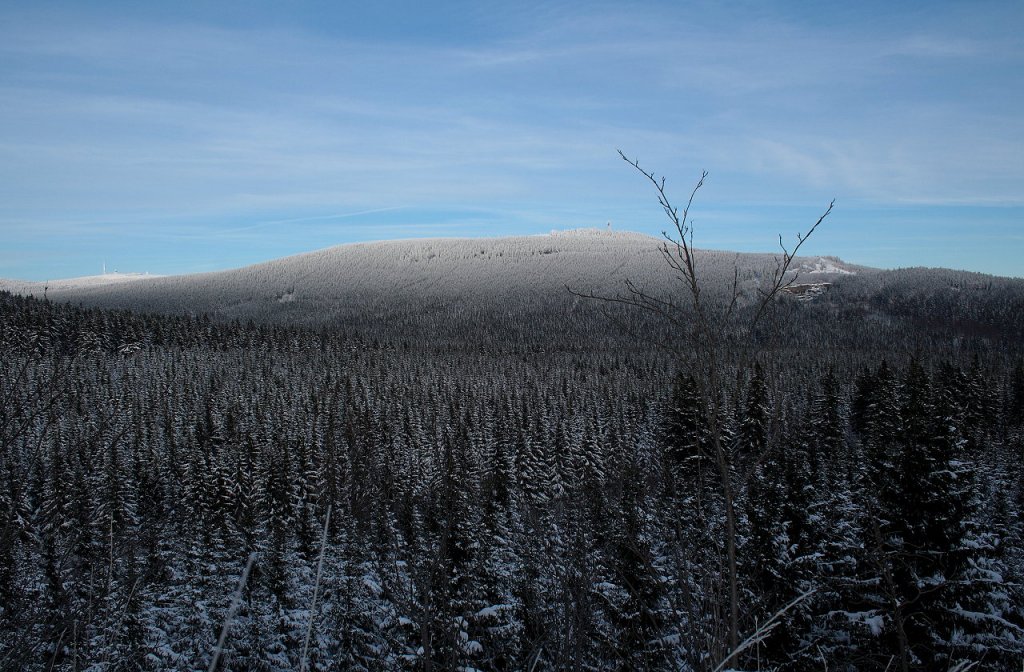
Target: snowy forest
187,492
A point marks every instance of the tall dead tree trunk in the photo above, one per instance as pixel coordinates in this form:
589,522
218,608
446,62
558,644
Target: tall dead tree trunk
708,324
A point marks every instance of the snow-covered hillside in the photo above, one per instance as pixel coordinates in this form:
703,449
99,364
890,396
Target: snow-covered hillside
516,290
72,284
433,274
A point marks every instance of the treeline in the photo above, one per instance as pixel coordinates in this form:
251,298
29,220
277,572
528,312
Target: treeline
547,510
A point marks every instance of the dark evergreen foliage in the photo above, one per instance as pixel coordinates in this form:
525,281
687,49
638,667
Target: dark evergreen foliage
508,509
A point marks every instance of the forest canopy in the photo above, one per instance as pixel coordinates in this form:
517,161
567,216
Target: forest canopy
506,504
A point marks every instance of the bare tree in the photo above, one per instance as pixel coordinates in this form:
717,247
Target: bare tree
714,326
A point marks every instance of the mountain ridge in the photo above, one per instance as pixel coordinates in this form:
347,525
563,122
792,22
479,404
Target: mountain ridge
508,269
555,236
515,289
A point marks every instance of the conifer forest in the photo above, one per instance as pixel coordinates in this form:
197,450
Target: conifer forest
200,492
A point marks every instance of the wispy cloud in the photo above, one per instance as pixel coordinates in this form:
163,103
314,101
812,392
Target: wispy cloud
166,128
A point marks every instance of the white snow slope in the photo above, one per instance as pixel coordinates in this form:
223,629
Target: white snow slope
375,279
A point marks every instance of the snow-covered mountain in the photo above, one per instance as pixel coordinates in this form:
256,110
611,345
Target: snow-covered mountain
516,289
318,286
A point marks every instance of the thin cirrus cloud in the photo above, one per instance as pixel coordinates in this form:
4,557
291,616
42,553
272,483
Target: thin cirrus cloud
259,134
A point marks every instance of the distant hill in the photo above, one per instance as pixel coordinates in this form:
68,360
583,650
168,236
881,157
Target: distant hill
66,285
514,288
321,286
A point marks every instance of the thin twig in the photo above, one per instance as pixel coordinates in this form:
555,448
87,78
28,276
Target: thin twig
782,266
316,590
56,649
236,600
763,631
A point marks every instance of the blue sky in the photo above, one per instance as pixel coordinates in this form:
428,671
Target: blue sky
182,137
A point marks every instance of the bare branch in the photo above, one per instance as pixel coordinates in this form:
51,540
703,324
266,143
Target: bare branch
236,601
782,267
712,336
683,260
762,632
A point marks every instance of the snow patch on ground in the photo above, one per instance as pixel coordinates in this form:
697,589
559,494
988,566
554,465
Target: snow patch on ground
825,265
